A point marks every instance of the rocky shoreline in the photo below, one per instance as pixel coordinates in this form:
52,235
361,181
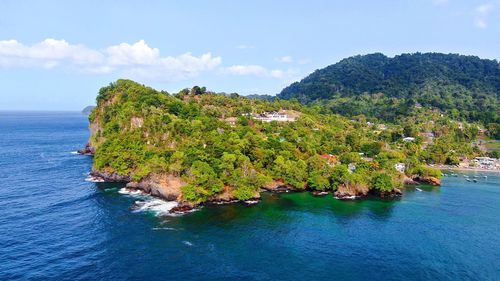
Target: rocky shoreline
168,187
422,180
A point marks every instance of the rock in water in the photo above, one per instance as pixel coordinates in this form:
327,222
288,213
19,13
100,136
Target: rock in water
87,150
428,180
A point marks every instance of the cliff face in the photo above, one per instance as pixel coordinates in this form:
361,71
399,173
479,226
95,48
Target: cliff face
166,186
351,191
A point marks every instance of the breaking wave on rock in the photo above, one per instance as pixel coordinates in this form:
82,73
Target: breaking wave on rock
148,203
157,206
94,179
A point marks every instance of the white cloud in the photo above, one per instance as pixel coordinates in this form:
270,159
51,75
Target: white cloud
481,23
260,71
49,52
138,53
243,47
482,13
285,59
304,61
440,2
256,70
136,59
484,9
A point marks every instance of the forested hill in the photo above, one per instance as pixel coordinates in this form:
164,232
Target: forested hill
379,86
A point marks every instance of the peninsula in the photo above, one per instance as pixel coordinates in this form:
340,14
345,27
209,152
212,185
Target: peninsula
198,146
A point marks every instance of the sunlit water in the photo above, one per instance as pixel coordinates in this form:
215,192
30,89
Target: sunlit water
56,225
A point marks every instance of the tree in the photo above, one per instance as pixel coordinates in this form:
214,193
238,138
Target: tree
203,182
382,182
176,163
339,175
349,157
292,172
371,149
318,181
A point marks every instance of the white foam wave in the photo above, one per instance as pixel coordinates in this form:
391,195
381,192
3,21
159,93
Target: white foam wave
74,152
346,197
94,179
187,243
127,191
164,228
157,206
418,189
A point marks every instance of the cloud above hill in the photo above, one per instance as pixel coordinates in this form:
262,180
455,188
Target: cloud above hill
260,71
482,13
137,58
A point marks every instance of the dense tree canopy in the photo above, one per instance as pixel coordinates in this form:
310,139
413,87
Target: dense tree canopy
215,146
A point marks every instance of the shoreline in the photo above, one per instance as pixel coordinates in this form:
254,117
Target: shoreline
442,167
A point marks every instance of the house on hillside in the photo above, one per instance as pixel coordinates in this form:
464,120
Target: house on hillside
279,116
330,158
351,167
273,116
231,121
400,167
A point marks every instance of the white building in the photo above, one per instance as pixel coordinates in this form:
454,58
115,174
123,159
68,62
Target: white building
274,116
400,167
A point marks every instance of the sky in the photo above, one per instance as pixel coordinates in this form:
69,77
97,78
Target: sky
55,55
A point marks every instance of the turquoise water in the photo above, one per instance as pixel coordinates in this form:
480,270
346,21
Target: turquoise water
54,225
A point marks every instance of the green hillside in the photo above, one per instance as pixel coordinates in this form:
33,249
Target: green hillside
225,146
465,87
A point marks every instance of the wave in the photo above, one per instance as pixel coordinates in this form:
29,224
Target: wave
148,203
352,197
157,206
94,179
164,228
187,243
127,191
74,152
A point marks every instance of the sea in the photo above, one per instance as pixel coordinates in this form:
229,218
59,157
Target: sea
56,224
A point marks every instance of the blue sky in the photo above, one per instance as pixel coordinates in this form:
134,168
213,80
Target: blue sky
55,55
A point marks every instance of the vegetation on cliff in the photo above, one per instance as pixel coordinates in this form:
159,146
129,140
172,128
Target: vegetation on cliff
215,143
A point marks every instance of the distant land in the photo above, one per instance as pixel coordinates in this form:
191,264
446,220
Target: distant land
88,109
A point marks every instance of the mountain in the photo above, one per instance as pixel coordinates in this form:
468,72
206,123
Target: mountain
375,85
